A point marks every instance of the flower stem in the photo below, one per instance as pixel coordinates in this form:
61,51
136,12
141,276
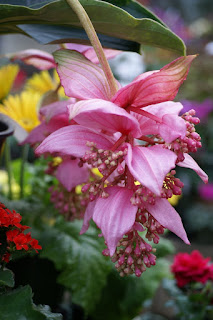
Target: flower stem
119,142
8,167
91,33
24,155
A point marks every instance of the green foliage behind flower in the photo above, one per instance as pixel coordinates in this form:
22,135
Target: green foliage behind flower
82,269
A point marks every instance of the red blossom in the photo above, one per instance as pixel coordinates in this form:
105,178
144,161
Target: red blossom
6,257
15,236
34,245
191,268
11,234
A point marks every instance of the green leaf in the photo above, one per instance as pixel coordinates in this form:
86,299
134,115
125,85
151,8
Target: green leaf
45,310
6,278
164,248
83,268
128,294
17,305
55,22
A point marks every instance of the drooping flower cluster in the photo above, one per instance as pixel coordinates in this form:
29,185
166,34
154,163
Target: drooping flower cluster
191,268
135,138
12,236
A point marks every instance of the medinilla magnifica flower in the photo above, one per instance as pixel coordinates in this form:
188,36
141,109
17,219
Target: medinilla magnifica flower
135,138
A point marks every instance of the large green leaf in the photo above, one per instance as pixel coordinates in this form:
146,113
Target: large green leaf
17,305
123,298
83,268
55,22
6,278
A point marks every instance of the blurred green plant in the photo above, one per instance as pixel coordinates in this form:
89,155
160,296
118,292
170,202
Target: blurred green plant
195,303
82,269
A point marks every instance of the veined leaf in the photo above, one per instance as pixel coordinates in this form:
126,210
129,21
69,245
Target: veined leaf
6,278
83,268
17,305
55,22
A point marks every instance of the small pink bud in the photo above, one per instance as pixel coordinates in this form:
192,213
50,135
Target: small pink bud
120,169
121,260
138,272
176,190
130,261
148,247
85,187
128,250
142,246
137,251
105,252
152,259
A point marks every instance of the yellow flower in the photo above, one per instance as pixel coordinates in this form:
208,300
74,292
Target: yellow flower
8,74
43,82
22,109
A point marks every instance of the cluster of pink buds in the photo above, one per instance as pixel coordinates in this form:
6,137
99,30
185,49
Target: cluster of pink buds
171,186
105,160
69,203
191,142
133,254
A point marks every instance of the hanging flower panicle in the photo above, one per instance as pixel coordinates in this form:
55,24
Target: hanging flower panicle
135,139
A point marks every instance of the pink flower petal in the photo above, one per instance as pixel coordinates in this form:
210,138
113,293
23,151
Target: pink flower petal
81,78
36,135
104,115
172,125
109,53
89,52
71,140
77,47
157,87
39,133
150,165
168,217
70,174
189,162
88,216
55,108
40,59
115,215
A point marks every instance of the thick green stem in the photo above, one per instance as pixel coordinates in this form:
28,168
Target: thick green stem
88,27
8,168
24,155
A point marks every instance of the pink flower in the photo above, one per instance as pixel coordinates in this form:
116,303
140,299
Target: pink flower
69,174
89,52
147,89
44,61
116,214
134,136
52,117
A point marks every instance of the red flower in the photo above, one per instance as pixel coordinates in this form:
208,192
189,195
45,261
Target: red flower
34,245
16,238
22,241
8,218
11,234
6,257
191,267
